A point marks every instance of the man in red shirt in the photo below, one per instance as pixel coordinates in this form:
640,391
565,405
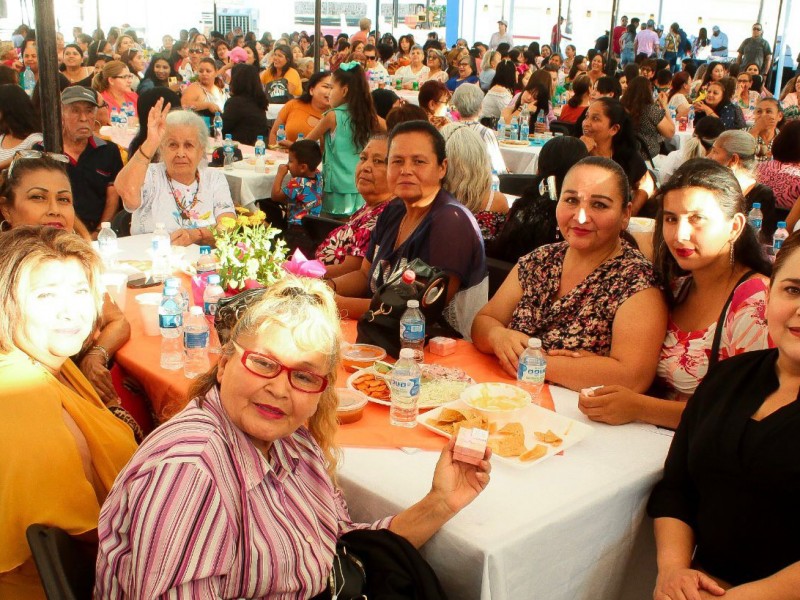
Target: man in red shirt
363,31
618,31
556,36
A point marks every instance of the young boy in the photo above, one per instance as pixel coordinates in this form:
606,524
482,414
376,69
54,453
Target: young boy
303,191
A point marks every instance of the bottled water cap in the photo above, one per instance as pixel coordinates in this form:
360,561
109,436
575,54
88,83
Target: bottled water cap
213,279
534,343
412,304
407,353
196,310
105,225
756,204
781,224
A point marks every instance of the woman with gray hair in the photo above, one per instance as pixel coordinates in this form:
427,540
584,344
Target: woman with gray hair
469,178
468,102
416,71
437,67
489,64
188,200
736,150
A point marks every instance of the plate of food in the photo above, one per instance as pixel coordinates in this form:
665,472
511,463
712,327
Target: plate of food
514,143
440,385
521,440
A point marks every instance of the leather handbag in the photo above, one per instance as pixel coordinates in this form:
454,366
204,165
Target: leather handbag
380,325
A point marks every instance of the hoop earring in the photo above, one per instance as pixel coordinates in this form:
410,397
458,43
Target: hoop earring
3,224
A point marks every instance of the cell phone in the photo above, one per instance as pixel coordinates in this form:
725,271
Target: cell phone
136,282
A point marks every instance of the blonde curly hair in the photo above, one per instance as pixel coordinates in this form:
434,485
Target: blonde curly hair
306,308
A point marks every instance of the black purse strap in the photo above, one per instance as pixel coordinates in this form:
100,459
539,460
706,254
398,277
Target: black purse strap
714,359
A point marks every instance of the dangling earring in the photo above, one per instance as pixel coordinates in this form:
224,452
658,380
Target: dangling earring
732,259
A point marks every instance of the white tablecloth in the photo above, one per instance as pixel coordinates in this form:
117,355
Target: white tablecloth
571,528
246,184
520,159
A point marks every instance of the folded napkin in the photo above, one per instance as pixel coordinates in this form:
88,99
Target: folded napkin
302,267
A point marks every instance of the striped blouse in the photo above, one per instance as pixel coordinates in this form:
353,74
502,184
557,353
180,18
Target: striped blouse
199,512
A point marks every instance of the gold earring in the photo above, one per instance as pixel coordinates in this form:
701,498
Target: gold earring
732,259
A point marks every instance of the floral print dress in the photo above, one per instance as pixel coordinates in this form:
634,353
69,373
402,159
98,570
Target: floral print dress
685,354
352,238
584,317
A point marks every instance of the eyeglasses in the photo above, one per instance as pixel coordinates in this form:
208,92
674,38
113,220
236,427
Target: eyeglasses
34,154
195,51
756,28
269,368
368,57
463,64
128,76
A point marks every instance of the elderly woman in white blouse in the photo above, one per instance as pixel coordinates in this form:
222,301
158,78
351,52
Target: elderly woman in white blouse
187,199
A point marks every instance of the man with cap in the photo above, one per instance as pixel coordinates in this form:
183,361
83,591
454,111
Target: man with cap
646,41
501,35
556,36
756,50
719,43
93,163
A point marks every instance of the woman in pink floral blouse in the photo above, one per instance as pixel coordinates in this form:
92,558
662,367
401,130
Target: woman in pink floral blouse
345,247
719,277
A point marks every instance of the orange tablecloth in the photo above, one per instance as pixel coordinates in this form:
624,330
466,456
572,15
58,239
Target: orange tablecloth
169,390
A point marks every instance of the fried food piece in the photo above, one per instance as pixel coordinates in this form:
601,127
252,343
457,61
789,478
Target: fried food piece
548,437
507,446
535,453
514,428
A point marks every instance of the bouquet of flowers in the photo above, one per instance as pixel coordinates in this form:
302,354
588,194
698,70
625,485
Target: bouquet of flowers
248,253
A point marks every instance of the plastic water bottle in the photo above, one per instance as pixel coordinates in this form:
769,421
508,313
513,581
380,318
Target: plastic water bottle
162,250
412,330
300,136
170,320
540,119
690,119
781,233
206,263
195,343
28,81
514,131
114,117
501,129
218,127
107,244
211,297
531,369
183,295
495,181
673,114
405,389
261,154
123,120
130,111
755,217
227,149
525,127
281,134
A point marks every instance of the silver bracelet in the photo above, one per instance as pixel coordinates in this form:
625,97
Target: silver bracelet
102,351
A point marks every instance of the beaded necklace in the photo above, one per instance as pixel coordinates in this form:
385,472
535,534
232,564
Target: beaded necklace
185,209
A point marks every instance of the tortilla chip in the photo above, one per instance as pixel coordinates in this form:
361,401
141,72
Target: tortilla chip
535,453
548,437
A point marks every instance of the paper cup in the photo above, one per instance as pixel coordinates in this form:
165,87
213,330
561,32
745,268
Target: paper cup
115,284
148,308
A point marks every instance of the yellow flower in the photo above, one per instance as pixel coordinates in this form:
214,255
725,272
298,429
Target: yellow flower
242,210
257,217
227,222
242,220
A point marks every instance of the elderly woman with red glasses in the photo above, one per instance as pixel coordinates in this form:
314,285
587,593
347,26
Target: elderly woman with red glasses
235,496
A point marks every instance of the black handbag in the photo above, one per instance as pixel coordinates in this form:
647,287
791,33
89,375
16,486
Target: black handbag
380,325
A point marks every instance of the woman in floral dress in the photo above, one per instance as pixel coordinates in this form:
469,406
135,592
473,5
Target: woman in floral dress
593,300
345,247
719,281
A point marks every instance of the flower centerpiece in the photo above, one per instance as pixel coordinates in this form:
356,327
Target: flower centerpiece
249,253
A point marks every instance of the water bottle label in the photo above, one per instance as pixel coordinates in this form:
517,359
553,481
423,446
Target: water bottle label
777,244
405,389
210,308
531,373
160,244
756,223
260,150
197,339
413,332
107,245
170,321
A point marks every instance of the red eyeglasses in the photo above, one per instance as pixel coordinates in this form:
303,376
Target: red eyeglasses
269,368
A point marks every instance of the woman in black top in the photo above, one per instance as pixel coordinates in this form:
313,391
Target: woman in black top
731,482
245,115
717,103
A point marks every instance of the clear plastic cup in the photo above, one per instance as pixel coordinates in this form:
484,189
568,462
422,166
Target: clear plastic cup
148,309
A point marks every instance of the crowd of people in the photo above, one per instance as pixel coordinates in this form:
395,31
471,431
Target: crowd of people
698,336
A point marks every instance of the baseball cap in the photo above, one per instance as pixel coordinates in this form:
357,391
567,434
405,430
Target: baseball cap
715,28
78,93
503,22
651,23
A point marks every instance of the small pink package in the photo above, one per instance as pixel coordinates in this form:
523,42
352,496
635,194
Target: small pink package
470,445
442,346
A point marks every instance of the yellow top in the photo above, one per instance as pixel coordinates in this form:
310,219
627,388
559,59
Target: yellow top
292,78
42,478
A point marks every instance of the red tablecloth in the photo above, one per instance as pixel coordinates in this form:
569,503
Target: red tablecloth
168,391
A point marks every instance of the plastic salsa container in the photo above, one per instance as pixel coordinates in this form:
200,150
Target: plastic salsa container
351,406
361,356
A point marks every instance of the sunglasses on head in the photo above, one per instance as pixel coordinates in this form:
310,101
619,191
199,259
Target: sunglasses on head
34,154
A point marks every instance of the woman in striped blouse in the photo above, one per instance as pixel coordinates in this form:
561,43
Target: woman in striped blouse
234,497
